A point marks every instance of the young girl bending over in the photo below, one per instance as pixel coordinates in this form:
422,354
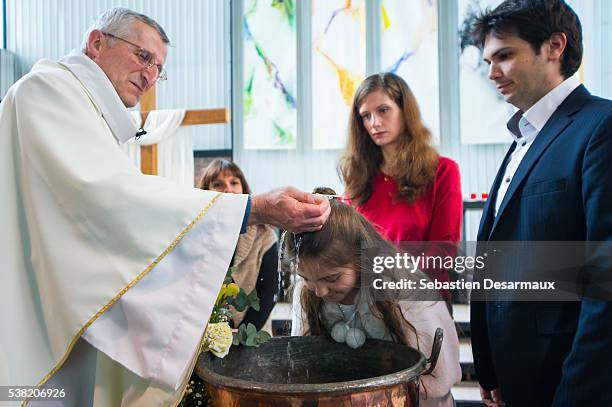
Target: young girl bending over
330,299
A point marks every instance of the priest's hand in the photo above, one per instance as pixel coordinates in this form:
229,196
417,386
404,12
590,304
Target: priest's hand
290,209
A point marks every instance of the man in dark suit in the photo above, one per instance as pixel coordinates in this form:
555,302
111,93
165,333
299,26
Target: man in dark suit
555,184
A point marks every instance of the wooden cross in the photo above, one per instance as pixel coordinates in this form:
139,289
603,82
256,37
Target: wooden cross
148,154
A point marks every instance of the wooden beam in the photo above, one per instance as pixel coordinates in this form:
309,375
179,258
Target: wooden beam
148,154
200,116
148,159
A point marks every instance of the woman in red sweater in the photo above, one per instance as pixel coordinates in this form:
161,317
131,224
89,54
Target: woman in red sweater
393,175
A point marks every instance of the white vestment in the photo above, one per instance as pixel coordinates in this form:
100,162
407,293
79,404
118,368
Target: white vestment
108,275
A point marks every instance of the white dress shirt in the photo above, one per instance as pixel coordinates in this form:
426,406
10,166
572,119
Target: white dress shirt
524,127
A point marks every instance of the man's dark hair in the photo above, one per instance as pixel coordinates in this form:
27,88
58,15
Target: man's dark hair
534,21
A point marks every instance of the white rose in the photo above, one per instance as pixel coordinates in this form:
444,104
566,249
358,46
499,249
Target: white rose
218,339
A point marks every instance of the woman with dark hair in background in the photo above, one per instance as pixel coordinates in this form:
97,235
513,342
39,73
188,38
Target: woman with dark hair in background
256,256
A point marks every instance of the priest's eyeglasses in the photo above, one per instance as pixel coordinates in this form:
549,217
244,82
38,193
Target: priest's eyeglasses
145,57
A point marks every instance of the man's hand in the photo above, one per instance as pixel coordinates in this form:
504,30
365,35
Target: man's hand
492,398
290,209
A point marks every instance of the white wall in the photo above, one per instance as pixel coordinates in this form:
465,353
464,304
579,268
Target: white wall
7,71
596,18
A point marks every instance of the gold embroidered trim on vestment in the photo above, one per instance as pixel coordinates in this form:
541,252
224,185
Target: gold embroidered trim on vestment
124,290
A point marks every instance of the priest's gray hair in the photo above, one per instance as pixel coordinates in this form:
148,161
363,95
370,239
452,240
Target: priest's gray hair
120,22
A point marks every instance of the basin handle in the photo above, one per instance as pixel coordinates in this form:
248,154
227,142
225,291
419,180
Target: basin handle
435,351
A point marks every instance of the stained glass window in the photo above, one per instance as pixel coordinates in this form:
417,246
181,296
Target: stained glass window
475,89
269,73
409,48
338,67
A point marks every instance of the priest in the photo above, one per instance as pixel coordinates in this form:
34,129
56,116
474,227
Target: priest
109,276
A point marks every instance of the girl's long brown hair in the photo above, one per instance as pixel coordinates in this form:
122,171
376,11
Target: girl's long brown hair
341,243
416,161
